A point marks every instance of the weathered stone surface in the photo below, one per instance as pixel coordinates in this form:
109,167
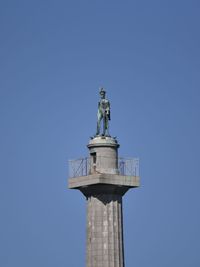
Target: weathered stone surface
94,179
100,141
106,155
104,231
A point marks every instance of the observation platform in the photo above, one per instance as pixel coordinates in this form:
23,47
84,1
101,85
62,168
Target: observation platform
83,173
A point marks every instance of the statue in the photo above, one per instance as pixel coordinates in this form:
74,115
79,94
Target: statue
103,113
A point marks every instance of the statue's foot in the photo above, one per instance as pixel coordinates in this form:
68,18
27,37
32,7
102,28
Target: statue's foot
107,134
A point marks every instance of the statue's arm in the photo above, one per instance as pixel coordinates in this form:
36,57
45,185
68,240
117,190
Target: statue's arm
99,106
108,110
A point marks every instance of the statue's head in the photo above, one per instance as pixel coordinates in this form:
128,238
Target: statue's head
102,92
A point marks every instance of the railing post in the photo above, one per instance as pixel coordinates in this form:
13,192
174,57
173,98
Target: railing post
85,166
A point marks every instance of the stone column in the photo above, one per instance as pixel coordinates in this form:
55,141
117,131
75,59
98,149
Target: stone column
105,231
104,187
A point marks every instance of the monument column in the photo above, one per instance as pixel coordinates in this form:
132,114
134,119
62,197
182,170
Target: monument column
105,231
103,179
104,207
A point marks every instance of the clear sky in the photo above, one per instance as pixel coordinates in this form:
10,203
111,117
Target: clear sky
54,55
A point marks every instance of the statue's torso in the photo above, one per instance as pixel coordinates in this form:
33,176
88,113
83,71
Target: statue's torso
104,105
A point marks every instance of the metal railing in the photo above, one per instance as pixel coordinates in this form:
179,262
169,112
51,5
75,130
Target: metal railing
128,166
86,166
79,167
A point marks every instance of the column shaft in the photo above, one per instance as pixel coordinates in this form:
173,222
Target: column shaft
105,231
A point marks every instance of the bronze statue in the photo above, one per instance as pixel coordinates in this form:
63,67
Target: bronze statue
103,113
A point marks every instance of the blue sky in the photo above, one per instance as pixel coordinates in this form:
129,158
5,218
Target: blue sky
54,55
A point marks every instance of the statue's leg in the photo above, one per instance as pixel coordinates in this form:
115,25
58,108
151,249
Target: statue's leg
106,126
99,118
98,127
